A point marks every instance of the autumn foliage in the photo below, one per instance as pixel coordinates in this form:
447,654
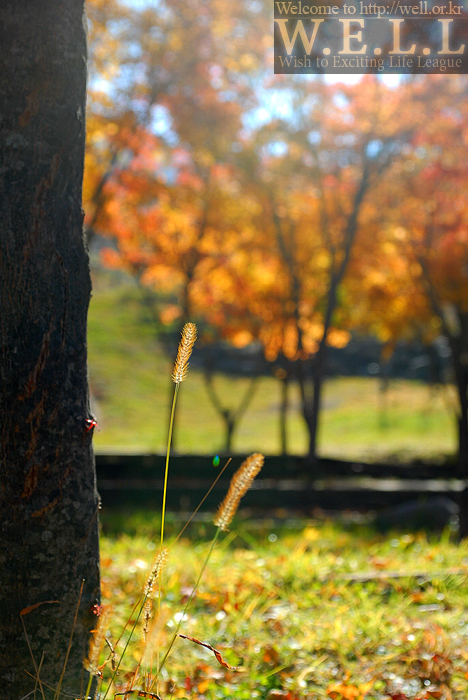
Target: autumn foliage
289,212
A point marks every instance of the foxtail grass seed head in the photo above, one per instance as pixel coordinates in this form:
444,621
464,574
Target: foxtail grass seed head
189,336
156,637
96,644
240,484
155,572
147,615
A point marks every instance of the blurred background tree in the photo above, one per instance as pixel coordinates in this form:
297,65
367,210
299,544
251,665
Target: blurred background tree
426,225
285,213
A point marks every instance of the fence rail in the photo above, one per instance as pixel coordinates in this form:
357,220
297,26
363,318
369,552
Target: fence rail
285,482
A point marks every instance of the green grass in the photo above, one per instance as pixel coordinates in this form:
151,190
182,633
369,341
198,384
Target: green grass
305,610
287,603
130,380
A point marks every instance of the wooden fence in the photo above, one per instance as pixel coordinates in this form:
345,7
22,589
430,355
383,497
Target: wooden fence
136,479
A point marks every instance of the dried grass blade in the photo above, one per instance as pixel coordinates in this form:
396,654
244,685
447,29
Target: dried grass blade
217,653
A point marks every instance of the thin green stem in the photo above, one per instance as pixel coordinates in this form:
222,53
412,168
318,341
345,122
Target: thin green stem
163,511
163,516
168,452
194,590
202,501
90,680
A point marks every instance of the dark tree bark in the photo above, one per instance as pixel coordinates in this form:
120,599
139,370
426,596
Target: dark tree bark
48,502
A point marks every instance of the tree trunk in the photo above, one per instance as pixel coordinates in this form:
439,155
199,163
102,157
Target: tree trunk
461,378
229,416
384,383
313,406
229,433
48,499
284,406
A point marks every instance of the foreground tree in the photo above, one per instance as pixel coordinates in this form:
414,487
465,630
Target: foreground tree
48,500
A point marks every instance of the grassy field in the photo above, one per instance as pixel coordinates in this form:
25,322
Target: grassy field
285,610
130,380
305,610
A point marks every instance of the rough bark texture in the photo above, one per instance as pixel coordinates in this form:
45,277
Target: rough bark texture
48,499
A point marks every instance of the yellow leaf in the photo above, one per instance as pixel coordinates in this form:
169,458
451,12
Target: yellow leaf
203,686
344,691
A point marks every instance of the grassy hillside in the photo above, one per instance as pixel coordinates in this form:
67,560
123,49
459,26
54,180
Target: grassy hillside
130,381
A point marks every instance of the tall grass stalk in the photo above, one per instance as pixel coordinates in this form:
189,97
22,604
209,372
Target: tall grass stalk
179,373
240,483
166,471
96,645
62,675
190,598
189,336
36,669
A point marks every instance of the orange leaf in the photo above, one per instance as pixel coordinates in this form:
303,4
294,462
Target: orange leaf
343,691
27,610
217,653
347,692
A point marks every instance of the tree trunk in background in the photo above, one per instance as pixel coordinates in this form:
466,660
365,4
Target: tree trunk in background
313,410
48,501
311,405
284,406
230,416
461,381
